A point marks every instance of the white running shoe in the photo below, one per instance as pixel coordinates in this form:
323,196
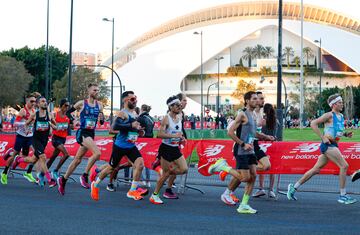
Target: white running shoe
217,166
246,209
259,193
226,198
271,194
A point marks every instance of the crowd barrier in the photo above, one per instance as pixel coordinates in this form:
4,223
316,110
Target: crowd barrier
288,159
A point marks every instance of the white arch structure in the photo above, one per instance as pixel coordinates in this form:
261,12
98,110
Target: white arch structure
150,54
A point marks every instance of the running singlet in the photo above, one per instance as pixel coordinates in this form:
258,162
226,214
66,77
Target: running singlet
20,125
337,129
89,116
248,132
41,127
62,125
172,129
126,139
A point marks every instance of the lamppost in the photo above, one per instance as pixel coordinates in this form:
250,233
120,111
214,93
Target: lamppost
207,94
320,75
70,51
112,68
279,110
47,54
201,79
218,94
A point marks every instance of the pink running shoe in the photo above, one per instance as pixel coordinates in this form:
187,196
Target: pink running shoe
15,162
52,183
169,194
84,182
93,173
8,153
61,185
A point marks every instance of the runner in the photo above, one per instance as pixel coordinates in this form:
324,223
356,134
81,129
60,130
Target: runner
90,112
124,145
43,120
59,137
23,141
333,131
172,160
245,155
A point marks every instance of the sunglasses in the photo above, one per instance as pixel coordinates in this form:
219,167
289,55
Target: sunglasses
32,101
177,104
133,99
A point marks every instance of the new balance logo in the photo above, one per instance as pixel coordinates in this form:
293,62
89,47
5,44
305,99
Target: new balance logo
139,146
306,148
353,148
213,150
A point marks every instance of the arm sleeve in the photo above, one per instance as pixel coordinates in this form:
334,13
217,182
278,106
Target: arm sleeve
68,114
120,125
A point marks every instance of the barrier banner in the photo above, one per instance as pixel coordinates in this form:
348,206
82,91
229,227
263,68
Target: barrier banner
285,157
147,146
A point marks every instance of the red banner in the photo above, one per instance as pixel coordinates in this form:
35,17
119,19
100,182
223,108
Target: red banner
147,146
285,157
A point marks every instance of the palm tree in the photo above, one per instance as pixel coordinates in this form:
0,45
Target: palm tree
296,61
268,51
308,54
248,55
258,51
288,52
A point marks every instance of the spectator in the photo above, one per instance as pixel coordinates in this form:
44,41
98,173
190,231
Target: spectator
192,120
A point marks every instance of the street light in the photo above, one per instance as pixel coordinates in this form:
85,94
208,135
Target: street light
218,94
112,68
207,94
201,79
47,54
320,67
70,51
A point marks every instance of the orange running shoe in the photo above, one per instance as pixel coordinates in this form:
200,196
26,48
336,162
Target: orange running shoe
93,173
234,198
134,194
94,192
222,175
142,191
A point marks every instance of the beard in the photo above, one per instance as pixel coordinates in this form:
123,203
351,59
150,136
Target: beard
44,108
131,105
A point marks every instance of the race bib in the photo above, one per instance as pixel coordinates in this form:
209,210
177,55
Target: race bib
42,126
90,124
61,126
132,137
250,139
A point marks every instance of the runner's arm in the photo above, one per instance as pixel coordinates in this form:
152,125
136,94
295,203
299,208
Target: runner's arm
315,125
231,132
76,107
120,124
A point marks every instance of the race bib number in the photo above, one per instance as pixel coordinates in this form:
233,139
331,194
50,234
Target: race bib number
90,124
250,139
42,126
61,126
132,137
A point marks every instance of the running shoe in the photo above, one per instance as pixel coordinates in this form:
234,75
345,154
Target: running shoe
4,178
84,182
94,192
29,177
222,175
271,194
346,199
93,173
134,195
259,193
148,184
291,192
142,191
110,187
246,209
40,179
52,183
8,153
61,185
234,197
217,166
155,199
55,174
169,194
15,162
155,164
355,176
226,198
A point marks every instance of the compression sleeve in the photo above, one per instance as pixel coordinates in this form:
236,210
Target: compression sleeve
121,125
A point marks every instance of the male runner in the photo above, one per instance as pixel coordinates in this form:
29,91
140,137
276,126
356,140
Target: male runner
333,131
24,134
63,123
171,158
245,157
90,111
43,121
124,145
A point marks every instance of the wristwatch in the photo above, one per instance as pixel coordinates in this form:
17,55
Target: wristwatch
242,145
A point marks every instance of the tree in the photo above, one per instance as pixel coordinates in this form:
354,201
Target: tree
81,77
14,80
241,88
296,61
308,54
258,51
34,61
288,52
241,63
248,55
268,52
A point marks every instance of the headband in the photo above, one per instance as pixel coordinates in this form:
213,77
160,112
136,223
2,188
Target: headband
173,102
334,101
